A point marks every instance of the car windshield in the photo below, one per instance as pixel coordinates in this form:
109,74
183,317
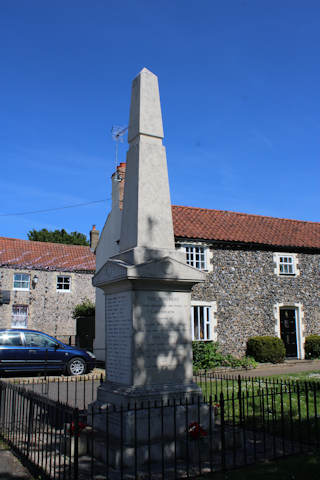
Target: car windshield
38,340
10,339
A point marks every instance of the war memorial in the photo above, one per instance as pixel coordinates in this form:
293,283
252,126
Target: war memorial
147,288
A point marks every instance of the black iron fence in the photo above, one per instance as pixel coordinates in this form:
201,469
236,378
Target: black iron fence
77,391
238,422
212,384
285,408
38,430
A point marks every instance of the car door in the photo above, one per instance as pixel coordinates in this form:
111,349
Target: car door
43,352
12,355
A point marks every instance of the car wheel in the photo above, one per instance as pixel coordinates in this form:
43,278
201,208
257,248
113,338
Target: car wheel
76,366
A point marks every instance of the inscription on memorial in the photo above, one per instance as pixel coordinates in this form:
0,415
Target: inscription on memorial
162,335
119,337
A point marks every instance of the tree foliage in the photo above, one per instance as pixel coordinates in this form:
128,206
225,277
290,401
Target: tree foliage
84,309
58,236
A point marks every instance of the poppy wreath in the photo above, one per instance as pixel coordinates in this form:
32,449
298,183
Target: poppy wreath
81,426
196,431
216,407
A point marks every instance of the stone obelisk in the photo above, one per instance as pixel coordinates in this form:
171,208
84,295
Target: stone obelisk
147,285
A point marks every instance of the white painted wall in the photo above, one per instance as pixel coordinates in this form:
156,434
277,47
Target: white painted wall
106,248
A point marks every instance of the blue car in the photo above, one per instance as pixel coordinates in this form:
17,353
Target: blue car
32,351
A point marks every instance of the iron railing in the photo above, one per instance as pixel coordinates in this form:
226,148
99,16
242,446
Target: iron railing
38,430
238,422
77,391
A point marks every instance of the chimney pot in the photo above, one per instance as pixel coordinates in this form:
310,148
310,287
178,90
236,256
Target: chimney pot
94,238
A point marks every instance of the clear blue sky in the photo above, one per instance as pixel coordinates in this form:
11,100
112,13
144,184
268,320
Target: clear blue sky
239,86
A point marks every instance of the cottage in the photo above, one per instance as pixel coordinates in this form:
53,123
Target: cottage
40,284
262,274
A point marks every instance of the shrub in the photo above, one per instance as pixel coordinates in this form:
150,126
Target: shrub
84,309
266,349
312,346
244,362
206,355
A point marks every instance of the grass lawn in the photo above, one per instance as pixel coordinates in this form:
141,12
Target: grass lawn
286,405
301,467
311,376
279,406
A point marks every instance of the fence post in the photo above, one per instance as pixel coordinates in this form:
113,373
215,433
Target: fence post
1,390
240,399
223,443
76,444
30,422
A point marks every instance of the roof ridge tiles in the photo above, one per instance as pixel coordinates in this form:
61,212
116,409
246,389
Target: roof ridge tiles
37,242
246,214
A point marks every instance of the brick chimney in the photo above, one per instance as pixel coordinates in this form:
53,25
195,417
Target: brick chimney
119,177
94,238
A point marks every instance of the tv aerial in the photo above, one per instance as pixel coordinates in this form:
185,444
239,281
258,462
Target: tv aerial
118,133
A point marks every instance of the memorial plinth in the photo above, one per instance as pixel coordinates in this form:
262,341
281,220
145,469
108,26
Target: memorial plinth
149,353
147,289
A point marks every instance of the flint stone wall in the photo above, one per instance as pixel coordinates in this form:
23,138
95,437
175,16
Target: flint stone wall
49,310
246,289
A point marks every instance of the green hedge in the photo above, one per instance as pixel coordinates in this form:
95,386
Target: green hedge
206,355
312,346
266,349
84,309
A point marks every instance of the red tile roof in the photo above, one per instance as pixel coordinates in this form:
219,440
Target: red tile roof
189,222
46,256
219,225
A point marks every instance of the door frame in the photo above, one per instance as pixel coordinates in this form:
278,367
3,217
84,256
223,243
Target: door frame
299,324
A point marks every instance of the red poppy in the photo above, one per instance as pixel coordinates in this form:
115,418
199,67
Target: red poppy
81,426
196,431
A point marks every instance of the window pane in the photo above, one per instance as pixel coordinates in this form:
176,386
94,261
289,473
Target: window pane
201,323
21,280
208,331
286,265
37,340
11,339
63,283
19,316
195,323
195,256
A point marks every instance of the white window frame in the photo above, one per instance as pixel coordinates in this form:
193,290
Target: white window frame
278,256
300,328
64,290
19,315
22,289
210,309
204,255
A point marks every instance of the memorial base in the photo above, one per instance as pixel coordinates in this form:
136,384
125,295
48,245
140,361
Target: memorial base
142,436
118,394
146,424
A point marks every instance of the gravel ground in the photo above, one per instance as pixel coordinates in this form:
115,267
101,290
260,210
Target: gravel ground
10,466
